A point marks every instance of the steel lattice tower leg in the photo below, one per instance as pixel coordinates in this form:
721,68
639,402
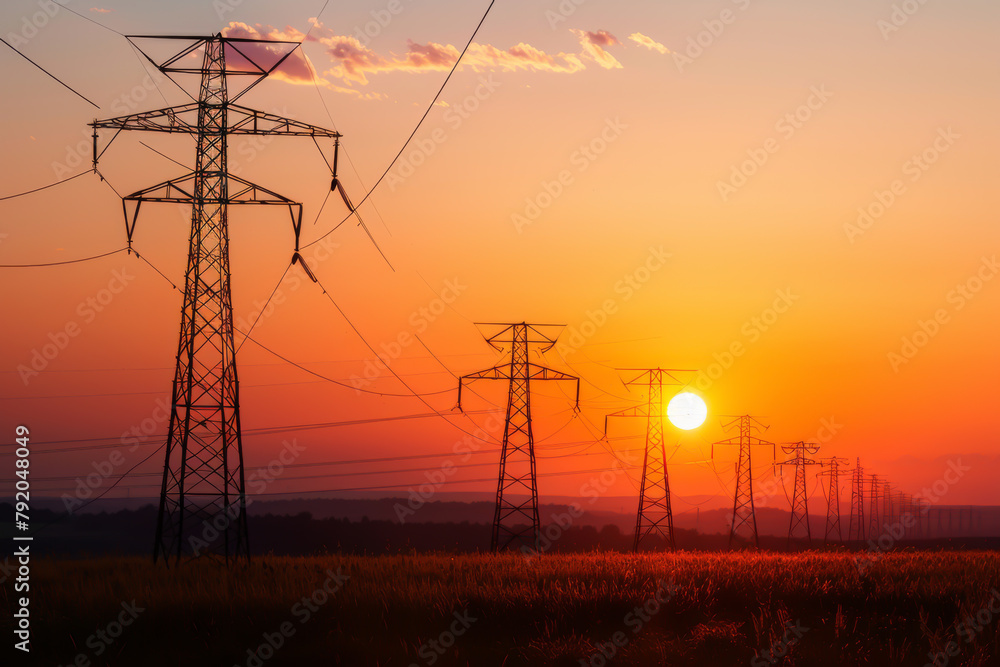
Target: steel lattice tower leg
743,510
203,472
654,513
856,530
517,456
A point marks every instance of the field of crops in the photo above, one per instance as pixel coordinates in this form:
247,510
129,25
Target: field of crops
586,609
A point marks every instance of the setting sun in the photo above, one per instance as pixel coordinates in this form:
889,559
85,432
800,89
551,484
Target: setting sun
687,411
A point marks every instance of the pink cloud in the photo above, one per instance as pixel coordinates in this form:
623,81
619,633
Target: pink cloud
353,63
296,69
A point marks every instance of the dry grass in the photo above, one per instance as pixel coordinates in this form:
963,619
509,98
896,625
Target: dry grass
558,609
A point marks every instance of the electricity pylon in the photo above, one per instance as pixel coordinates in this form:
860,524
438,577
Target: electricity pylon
856,528
654,514
833,466
800,451
517,455
874,493
203,477
743,510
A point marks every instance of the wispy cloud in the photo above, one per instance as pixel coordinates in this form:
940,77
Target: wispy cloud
594,46
353,63
648,42
100,10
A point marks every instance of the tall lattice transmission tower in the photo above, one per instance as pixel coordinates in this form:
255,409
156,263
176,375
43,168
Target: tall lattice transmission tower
654,516
515,519
800,460
856,527
832,467
743,509
203,475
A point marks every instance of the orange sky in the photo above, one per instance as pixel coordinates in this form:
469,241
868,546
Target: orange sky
645,144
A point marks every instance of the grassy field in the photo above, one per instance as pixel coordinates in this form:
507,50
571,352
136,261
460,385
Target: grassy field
586,609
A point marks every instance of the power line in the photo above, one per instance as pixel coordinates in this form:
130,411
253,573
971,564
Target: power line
164,155
68,261
57,79
87,18
262,308
420,397
384,487
412,393
45,187
103,493
269,430
276,364
164,393
303,368
412,134
154,268
287,478
154,438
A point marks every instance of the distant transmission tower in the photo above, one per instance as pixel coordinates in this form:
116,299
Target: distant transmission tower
800,451
743,510
517,487
654,514
914,507
856,528
887,506
833,467
901,511
203,476
874,494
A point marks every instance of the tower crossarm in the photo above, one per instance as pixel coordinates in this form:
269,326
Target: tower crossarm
241,120
181,191
795,461
636,411
799,450
660,376
178,191
539,372
495,373
738,440
833,465
503,372
746,440
182,118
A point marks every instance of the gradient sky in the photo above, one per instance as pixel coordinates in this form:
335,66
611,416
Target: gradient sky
675,125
